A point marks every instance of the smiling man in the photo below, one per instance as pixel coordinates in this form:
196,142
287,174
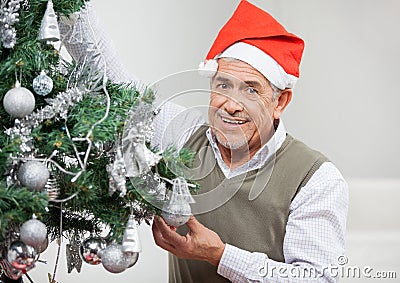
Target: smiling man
295,223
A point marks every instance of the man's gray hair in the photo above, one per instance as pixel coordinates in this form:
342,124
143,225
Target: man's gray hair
275,90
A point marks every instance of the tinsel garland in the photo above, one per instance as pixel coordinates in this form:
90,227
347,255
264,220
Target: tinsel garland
8,17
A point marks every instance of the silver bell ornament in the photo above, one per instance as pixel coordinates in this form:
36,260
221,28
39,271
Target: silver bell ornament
20,255
131,242
33,175
19,101
115,260
49,30
176,210
90,250
34,233
42,84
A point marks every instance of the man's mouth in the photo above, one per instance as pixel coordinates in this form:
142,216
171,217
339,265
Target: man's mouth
232,121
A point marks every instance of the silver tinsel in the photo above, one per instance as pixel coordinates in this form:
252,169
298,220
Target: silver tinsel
8,17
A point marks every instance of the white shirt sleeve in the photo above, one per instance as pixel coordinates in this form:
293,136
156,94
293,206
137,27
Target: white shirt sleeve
314,239
174,125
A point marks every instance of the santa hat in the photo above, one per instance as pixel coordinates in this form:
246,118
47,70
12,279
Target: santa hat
255,37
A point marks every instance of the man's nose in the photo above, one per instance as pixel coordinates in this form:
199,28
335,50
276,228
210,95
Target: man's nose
233,105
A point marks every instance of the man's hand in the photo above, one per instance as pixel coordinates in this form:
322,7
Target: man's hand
199,243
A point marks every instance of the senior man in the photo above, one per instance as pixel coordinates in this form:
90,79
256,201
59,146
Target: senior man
293,227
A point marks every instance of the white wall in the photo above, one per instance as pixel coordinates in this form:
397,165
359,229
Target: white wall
345,103
346,100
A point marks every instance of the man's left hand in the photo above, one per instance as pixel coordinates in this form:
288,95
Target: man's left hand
199,243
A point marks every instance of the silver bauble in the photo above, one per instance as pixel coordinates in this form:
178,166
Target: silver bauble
132,259
33,233
19,102
42,247
114,259
90,250
176,213
33,175
21,256
42,84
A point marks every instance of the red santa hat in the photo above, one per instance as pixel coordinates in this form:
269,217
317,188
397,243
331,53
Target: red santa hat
255,37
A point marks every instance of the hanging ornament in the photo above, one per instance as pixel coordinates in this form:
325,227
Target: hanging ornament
42,84
115,260
90,250
72,253
19,101
42,247
34,233
131,242
132,259
176,210
138,158
33,175
20,255
117,174
77,23
49,30
52,187
8,17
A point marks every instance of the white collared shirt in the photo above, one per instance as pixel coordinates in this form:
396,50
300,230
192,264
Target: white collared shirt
258,160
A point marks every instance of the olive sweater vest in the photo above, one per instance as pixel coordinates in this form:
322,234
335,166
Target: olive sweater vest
256,225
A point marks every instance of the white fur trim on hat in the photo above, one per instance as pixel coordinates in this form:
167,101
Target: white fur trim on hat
261,61
208,68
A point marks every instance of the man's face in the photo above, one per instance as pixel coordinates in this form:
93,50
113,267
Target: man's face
241,106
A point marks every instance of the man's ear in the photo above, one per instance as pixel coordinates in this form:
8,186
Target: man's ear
282,101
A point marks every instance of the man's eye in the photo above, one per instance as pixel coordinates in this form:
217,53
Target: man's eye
222,86
251,90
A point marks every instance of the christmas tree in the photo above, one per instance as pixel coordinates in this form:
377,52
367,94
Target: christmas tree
75,157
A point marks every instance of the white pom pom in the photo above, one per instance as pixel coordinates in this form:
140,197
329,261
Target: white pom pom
208,68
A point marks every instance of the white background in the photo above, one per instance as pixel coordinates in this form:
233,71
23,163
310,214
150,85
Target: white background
345,104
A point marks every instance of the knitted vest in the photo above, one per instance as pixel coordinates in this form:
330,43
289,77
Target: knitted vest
254,225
